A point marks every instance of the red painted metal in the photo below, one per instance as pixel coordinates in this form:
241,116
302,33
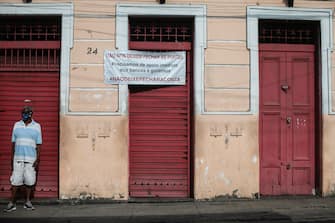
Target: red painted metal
287,119
29,70
160,133
30,59
159,46
42,88
29,45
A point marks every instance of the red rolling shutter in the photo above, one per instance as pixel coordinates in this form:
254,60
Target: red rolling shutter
160,118
29,74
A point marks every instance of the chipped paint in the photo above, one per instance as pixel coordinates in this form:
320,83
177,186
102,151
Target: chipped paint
82,158
98,96
232,160
206,171
301,122
254,159
224,178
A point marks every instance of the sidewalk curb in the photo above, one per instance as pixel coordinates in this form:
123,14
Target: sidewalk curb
42,201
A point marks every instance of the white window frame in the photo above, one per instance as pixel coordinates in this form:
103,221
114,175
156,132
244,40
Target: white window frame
123,11
324,16
65,10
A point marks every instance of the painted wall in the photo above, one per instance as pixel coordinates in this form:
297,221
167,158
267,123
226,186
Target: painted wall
93,157
226,156
328,155
94,148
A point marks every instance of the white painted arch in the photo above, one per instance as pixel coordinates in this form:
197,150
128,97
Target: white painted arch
65,10
324,16
198,12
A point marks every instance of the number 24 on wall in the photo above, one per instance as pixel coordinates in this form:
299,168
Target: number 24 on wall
91,50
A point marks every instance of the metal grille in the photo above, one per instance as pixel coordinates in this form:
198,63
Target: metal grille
29,28
30,43
158,30
287,31
29,59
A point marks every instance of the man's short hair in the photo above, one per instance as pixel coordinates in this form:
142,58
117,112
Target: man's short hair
27,109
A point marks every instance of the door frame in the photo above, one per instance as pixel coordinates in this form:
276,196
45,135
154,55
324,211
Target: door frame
65,10
324,17
198,12
199,15
171,46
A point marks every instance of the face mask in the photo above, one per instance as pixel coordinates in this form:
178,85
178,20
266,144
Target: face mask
26,116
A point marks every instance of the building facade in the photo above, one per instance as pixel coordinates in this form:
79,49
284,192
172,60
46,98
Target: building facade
255,116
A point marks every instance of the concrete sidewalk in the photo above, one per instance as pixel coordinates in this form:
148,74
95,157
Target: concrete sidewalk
263,210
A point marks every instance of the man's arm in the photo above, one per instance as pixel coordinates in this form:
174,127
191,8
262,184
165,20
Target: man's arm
13,151
37,161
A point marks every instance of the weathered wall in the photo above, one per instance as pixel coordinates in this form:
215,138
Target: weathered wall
93,157
328,155
226,156
94,149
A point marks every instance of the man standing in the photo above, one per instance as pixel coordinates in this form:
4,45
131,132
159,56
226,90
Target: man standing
26,145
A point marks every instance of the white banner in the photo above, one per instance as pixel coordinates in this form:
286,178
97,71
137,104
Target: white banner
145,68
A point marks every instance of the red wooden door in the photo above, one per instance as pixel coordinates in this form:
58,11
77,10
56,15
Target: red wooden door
160,120
287,119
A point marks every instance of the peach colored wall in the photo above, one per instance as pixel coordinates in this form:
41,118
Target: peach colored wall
94,149
328,155
226,156
93,157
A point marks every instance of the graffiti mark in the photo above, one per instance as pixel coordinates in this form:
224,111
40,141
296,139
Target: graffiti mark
215,131
301,123
238,132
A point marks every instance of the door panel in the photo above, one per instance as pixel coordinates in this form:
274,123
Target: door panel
289,73
271,168
272,66
42,88
271,128
300,103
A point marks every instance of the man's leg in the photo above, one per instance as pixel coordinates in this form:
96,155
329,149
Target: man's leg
16,180
30,180
28,193
14,190
12,203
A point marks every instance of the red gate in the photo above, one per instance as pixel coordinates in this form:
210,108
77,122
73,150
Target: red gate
160,117
287,119
29,73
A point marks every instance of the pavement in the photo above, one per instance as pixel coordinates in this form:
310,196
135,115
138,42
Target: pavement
292,209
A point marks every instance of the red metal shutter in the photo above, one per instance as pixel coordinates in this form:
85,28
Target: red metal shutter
29,73
160,118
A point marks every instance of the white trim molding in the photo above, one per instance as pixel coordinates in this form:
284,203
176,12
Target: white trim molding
65,10
198,12
324,16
